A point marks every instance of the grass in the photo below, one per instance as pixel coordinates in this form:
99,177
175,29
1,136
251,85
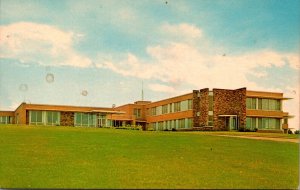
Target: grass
68,157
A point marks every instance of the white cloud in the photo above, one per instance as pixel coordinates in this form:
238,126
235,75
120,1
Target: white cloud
182,30
40,43
161,88
179,64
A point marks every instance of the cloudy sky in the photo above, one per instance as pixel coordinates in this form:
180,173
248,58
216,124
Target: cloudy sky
98,53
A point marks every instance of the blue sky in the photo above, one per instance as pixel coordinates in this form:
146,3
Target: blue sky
109,47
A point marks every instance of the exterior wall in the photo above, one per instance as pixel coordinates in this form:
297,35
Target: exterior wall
204,105
67,118
10,114
20,114
169,116
229,102
196,108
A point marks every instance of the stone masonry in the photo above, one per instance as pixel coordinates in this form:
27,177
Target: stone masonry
229,102
67,118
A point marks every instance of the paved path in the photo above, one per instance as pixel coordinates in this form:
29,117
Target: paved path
264,138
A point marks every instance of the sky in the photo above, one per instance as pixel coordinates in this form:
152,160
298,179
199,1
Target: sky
100,53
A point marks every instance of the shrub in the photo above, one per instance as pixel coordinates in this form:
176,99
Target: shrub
297,132
290,131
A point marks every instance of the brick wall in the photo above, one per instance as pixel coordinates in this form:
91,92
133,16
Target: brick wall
67,118
196,108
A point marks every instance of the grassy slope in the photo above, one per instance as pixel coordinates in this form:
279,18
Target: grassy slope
64,157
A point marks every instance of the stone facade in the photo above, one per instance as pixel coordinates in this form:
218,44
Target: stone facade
204,107
229,102
196,108
67,118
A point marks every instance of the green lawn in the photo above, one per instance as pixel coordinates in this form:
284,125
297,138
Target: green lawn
68,157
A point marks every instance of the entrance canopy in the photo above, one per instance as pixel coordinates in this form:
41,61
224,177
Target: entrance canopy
227,115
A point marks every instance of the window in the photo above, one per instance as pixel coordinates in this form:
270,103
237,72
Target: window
181,123
190,122
137,113
36,117
210,120
85,119
265,104
190,104
171,108
5,119
251,123
259,103
160,125
269,104
210,102
53,118
158,110
251,103
165,109
177,107
184,105
153,111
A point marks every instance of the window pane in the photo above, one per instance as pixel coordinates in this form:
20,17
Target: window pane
253,106
32,116
77,118
190,104
184,105
49,117
253,122
248,103
85,118
278,107
259,103
265,123
39,117
248,122
265,104
260,123
272,104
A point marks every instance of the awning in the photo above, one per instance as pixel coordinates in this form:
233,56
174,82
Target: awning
227,115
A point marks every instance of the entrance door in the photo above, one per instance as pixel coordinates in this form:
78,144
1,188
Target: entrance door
231,122
101,121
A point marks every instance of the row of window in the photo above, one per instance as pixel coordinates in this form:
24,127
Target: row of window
6,119
183,123
263,104
262,123
85,119
44,118
172,107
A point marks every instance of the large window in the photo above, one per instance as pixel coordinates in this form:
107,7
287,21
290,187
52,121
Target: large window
262,123
85,119
5,119
263,104
53,118
171,107
36,117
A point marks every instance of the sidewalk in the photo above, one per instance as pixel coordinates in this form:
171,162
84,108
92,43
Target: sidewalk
264,138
